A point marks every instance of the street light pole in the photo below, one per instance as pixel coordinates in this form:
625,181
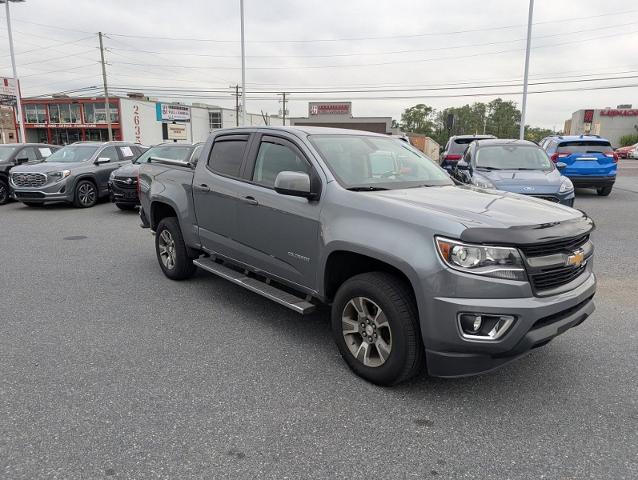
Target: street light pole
107,106
243,66
15,73
526,74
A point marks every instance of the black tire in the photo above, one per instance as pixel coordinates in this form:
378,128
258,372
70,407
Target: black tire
182,265
4,192
86,194
396,299
125,206
604,191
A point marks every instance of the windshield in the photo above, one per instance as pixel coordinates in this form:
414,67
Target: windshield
367,162
584,146
72,154
6,151
170,152
513,157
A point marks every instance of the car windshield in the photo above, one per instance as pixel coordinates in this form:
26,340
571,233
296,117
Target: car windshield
170,152
369,163
584,146
6,151
72,154
513,157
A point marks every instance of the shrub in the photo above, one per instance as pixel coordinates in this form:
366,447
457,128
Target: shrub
627,140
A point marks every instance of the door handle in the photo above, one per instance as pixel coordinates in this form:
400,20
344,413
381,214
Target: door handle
202,187
250,200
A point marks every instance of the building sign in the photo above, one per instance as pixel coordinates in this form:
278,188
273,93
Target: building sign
8,92
170,112
624,105
615,112
176,131
589,116
330,108
70,125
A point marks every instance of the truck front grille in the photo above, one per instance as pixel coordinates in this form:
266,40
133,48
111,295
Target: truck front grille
556,277
549,198
566,245
126,182
28,180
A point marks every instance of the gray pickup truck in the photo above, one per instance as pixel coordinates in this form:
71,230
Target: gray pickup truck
416,270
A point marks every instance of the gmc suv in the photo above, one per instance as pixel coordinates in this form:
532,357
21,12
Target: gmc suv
76,174
19,154
416,270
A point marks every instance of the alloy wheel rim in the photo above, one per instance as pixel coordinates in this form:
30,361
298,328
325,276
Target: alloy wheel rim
167,249
86,194
366,331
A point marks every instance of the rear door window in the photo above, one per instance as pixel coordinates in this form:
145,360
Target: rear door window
584,146
28,153
227,155
459,146
110,153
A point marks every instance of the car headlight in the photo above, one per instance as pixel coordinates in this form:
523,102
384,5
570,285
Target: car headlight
482,183
112,176
566,186
497,262
58,176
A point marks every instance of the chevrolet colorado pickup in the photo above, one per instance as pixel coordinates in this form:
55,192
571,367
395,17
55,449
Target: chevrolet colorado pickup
416,270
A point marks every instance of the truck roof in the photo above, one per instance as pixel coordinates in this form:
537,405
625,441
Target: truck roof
308,130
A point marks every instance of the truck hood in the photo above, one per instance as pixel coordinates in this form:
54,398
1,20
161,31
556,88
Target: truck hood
45,167
474,207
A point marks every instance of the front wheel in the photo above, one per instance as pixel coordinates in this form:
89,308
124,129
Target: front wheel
85,194
171,250
604,191
4,192
375,326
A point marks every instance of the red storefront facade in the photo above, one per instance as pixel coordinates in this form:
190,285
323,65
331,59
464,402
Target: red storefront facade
60,121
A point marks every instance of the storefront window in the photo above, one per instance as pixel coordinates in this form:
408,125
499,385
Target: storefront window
96,113
214,120
35,113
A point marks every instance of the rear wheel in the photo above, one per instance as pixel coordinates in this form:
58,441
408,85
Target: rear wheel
375,326
604,191
171,250
4,192
85,194
125,206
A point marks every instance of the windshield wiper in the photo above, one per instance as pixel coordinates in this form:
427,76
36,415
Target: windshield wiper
488,168
523,168
365,188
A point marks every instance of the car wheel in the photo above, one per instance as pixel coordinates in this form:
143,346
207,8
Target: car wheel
85,194
4,192
125,206
375,326
171,250
604,191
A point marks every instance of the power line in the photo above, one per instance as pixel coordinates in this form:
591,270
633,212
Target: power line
52,46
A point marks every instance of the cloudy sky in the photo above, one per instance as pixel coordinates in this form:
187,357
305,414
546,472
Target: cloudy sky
417,51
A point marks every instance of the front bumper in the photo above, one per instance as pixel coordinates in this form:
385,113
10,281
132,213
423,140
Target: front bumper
121,195
61,191
538,320
588,181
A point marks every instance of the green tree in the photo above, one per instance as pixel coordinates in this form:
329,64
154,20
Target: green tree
536,134
418,119
503,119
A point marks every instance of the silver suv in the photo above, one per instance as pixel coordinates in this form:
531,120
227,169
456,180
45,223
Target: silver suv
76,174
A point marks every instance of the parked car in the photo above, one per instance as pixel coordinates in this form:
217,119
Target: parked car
76,174
416,270
517,166
19,154
633,153
455,148
625,152
589,160
123,181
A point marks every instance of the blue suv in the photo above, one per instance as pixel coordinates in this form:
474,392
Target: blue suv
589,161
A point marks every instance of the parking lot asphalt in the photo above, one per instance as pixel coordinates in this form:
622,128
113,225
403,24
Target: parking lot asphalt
110,370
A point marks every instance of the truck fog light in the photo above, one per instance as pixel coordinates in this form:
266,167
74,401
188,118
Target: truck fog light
480,326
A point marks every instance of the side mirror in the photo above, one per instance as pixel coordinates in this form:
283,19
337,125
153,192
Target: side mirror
102,160
295,184
561,165
462,165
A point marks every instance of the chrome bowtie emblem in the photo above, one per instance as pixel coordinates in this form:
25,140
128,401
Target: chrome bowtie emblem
129,181
576,259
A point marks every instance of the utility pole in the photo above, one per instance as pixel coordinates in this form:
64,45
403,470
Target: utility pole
107,107
526,74
237,104
15,74
283,110
243,66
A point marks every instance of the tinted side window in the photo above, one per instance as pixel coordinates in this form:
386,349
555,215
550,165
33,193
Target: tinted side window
227,156
274,158
28,153
110,153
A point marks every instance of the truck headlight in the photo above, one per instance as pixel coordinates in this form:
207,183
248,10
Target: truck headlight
58,176
566,186
482,183
497,262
